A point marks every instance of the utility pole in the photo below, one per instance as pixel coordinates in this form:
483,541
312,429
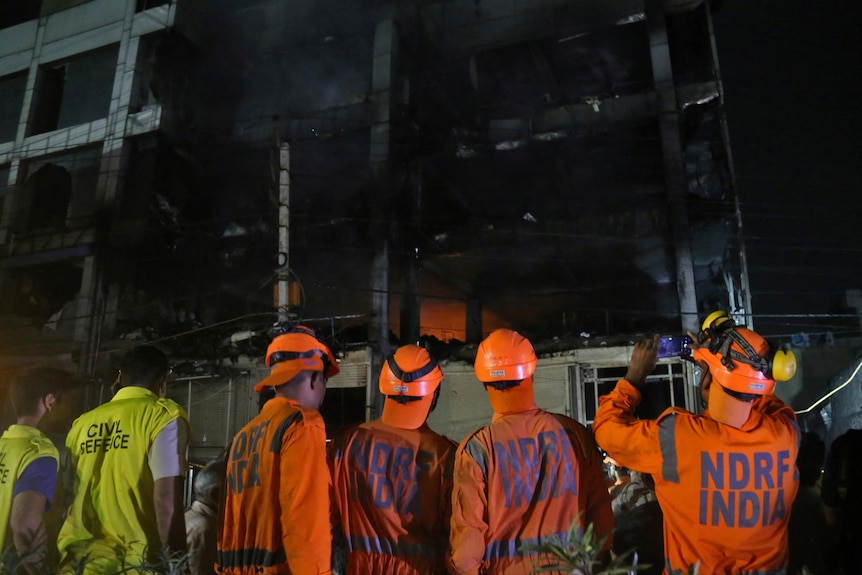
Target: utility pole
282,288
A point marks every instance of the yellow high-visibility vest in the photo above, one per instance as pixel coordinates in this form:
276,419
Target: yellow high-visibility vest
20,445
112,519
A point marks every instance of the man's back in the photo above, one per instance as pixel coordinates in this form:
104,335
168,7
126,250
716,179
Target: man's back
743,481
529,475
201,535
392,493
725,493
113,503
842,493
275,517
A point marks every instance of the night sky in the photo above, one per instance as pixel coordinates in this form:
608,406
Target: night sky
792,72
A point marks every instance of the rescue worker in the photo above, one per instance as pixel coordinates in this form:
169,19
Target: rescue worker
524,478
276,515
202,519
842,498
392,477
28,470
129,461
726,478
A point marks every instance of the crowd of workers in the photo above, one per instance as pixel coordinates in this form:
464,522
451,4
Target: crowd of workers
714,491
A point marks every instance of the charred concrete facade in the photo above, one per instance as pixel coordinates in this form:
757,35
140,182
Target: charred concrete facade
76,102
560,167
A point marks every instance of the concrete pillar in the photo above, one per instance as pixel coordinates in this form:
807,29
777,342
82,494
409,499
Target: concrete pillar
91,306
385,54
674,170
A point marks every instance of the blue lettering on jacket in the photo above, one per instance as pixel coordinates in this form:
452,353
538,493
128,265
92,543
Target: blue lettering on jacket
741,490
386,476
243,470
535,469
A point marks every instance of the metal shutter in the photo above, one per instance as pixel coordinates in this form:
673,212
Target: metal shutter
463,405
551,386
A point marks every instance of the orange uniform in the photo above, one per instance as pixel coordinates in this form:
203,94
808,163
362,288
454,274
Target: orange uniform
275,517
522,480
392,492
726,493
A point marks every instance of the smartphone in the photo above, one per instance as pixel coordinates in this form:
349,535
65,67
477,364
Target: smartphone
674,346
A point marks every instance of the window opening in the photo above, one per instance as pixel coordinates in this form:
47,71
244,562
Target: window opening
666,387
11,99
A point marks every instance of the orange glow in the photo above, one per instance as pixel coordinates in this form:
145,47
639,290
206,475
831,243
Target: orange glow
445,319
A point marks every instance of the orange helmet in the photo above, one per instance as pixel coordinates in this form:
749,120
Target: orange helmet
409,379
505,363
299,349
742,363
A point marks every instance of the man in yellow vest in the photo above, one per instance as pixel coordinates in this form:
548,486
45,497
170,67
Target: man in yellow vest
129,458
28,469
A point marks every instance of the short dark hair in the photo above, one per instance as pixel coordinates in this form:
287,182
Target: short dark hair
143,366
31,385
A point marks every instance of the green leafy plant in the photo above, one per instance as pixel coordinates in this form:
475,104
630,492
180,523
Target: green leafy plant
580,553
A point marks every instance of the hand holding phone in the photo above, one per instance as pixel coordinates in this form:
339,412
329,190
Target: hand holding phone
673,346
642,362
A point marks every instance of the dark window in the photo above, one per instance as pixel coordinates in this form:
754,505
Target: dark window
14,12
142,89
11,99
690,46
74,91
4,187
48,99
147,4
41,292
58,192
665,387
51,189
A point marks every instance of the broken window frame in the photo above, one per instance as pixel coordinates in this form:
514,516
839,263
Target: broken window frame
51,98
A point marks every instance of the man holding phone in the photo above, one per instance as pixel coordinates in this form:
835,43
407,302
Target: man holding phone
736,460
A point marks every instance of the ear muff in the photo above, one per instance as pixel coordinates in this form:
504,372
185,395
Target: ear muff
716,321
782,364
712,327
779,364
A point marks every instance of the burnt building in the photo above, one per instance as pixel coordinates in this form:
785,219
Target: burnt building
425,169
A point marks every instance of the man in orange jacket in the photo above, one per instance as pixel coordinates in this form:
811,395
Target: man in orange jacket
275,516
725,479
392,477
523,479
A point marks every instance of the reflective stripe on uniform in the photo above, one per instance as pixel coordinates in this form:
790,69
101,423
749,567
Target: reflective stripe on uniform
478,453
250,558
395,548
278,437
667,442
507,549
